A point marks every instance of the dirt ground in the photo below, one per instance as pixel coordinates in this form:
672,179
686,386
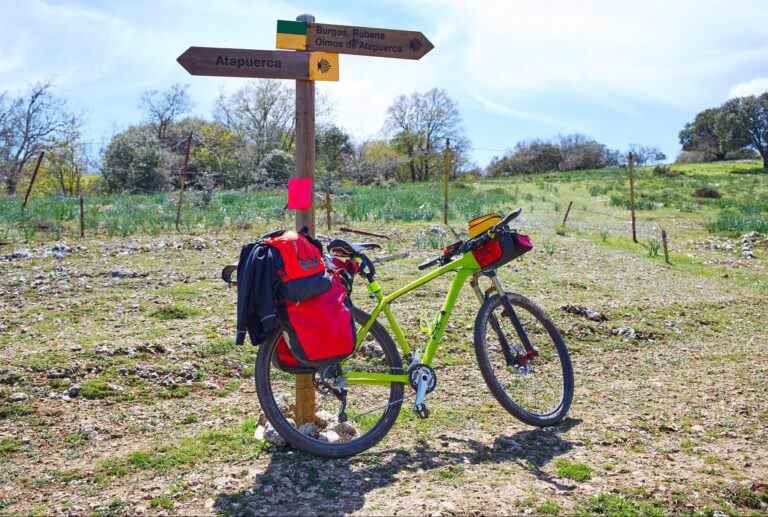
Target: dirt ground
121,392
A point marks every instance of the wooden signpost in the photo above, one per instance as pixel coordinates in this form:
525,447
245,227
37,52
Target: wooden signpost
316,49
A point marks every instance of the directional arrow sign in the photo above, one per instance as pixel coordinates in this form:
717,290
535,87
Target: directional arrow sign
348,39
269,64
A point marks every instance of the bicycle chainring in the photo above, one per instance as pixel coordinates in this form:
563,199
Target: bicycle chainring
416,371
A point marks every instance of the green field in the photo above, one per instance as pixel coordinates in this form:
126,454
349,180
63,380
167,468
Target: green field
742,207
121,390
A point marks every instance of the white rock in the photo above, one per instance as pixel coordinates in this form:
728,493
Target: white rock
345,429
330,436
326,417
308,429
268,433
19,397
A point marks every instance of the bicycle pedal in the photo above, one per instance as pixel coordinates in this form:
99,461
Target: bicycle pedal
421,410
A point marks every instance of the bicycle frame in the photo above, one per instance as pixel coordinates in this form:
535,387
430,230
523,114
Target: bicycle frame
464,267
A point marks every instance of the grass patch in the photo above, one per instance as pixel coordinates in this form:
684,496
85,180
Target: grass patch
549,508
94,389
15,409
216,347
176,392
8,446
620,506
190,419
574,471
735,222
745,497
231,443
174,311
164,501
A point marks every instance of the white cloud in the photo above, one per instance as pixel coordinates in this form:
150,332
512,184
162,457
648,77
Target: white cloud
665,52
756,86
501,109
573,66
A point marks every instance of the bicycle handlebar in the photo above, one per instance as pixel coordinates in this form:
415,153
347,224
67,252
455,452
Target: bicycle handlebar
466,246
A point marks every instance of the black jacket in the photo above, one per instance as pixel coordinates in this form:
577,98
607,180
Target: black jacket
257,283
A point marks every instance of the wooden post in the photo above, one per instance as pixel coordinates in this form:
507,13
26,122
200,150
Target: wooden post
446,172
665,245
82,207
328,211
305,168
82,217
182,181
32,180
567,211
632,195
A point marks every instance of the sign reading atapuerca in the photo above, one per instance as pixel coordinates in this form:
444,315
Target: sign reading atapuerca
268,64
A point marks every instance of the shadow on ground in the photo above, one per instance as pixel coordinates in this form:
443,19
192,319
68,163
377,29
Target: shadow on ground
296,483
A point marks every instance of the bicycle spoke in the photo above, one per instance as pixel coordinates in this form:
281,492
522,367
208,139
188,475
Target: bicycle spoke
536,387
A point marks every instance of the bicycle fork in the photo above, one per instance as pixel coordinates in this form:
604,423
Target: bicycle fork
517,358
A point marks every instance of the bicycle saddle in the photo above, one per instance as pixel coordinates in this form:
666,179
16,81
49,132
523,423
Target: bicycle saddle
344,248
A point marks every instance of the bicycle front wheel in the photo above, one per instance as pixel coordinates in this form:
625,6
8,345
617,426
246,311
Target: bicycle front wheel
371,410
524,360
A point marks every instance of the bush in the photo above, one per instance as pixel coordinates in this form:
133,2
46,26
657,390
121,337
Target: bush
664,170
136,161
695,157
564,153
275,169
706,192
743,154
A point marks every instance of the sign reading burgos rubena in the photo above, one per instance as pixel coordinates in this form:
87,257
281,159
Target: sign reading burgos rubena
347,39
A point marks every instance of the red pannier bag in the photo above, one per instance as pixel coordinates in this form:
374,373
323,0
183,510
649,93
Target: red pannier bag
302,268
313,307
318,331
506,246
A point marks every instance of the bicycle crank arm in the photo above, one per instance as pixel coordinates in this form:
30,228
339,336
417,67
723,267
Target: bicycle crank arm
421,390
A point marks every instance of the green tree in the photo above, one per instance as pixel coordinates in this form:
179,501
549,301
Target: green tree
333,146
714,132
748,117
136,161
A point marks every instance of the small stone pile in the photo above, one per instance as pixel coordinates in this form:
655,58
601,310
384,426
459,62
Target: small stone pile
744,245
579,310
747,243
325,428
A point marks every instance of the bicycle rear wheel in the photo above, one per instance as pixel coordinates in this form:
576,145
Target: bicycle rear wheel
371,409
524,360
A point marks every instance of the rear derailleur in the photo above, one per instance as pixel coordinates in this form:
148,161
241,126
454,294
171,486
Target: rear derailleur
331,381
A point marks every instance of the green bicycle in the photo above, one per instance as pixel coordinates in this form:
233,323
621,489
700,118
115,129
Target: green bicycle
521,353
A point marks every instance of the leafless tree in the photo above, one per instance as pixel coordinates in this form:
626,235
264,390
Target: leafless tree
420,124
28,124
69,159
262,112
162,108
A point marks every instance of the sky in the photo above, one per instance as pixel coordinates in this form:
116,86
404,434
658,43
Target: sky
620,71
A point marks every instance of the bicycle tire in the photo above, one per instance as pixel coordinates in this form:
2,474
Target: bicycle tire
482,350
299,441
